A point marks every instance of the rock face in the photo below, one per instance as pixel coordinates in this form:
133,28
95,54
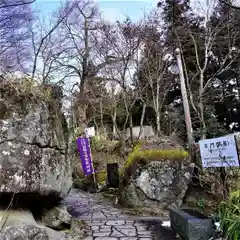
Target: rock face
20,225
57,218
157,184
33,150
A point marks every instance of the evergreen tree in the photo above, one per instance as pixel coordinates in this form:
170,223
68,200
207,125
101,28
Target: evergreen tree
227,40
175,16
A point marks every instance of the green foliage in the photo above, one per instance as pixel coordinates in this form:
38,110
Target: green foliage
77,132
100,143
229,212
201,203
97,141
101,177
85,182
213,127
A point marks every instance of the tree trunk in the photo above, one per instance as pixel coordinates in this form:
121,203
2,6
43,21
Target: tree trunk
131,128
201,107
114,122
95,123
203,123
101,117
82,116
158,109
158,123
142,120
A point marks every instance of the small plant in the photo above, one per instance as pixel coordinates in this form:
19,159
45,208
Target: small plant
201,204
101,177
229,213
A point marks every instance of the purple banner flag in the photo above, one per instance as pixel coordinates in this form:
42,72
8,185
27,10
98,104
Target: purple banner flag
85,155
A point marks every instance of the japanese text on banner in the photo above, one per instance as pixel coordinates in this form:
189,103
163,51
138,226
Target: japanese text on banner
85,155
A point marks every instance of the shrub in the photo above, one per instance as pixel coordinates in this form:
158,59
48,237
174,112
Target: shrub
101,177
28,90
229,213
101,144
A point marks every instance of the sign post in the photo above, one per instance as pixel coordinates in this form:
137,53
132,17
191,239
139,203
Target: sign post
86,157
219,152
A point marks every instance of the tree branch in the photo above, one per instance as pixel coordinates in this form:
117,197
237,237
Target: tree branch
229,4
16,4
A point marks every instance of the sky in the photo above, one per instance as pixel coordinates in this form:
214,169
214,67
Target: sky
112,10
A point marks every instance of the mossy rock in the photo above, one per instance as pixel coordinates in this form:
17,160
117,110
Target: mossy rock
142,154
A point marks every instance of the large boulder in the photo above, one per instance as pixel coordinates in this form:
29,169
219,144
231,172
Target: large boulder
34,162
156,176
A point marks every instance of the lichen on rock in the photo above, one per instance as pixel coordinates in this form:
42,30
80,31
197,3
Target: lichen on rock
33,144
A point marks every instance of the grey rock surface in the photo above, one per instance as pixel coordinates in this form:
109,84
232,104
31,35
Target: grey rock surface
158,184
56,217
33,150
20,225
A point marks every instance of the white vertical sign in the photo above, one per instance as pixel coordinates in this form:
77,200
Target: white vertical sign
89,132
219,152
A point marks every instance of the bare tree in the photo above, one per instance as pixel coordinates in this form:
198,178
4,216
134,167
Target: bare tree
155,69
15,22
15,3
123,42
79,36
233,4
45,52
42,38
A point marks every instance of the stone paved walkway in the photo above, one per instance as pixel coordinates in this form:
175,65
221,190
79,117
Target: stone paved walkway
109,223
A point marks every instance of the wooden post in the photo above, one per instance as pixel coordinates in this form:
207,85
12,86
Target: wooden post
94,175
185,102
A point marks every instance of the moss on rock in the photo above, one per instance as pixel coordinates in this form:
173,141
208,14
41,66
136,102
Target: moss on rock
141,155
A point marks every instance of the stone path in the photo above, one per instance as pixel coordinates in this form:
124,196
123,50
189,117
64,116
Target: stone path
106,222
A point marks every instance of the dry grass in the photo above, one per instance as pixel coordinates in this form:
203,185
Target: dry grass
25,89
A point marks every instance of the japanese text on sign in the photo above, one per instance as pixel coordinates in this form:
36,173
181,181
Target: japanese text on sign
219,152
85,155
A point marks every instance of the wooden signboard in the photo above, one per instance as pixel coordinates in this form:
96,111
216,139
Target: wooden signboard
219,152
